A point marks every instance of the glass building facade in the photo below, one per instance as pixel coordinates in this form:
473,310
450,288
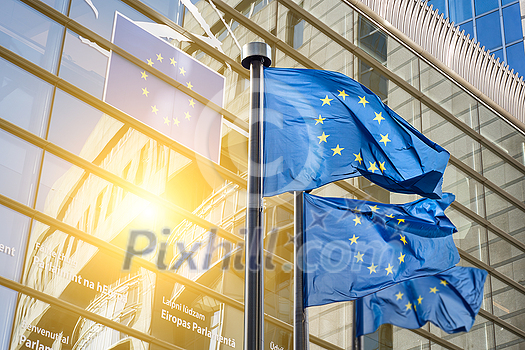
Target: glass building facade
85,182
496,24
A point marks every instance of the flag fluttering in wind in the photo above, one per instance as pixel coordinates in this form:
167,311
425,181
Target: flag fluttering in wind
353,248
322,126
450,300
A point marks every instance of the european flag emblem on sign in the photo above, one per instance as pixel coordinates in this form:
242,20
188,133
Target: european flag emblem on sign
322,126
140,94
353,248
451,300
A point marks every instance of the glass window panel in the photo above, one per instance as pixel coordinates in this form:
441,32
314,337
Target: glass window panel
505,2
512,23
498,54
30,34
468,27
483,6
102,24
19,163
337,15
25,99
406,339
402,62
174,10
516,58
468,191
8,299
80,128
84,64
502,134
460,10
404,104
60,5
48,326
13,236
503,215
471,237
451,138
508,302
488,26
503,174
507,340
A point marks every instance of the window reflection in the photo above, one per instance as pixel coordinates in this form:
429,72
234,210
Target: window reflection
24,99
18,166
30,34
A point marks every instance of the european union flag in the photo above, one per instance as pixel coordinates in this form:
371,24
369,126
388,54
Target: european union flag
353,248
322,126
450,300
158,104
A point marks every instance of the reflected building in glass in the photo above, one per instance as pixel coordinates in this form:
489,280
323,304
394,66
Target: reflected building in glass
118,235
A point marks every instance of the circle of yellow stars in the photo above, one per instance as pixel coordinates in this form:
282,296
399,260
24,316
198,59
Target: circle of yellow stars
360,257
383,139
145,92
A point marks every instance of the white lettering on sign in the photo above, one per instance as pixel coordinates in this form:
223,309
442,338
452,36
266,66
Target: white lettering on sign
274,346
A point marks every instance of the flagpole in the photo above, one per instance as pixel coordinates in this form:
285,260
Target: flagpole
300,321
254,56
358,341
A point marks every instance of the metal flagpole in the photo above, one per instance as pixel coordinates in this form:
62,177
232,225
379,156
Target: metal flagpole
358,341
300,322
254,56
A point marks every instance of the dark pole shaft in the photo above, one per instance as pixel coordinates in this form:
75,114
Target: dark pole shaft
300,322
253,295
255,57
358,342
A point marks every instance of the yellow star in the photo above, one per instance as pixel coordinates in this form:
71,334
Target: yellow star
408,306
143,75
337,150
363,100
192,103
166,120
434,290
403,239
159,57
182,71
326,101
154,109
399,296
373,208
150,62
391,216
382,166
372,268
358,157
357,220
342,94
172,61
384,138
373,167
188,84
187,115
389,269
323,137
320,120
359,256
400,221
443,282
176,121
145,91
401,258
353,240
378,117
419,300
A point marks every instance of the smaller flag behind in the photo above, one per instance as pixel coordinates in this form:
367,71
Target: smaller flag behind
143,96
354,248
450,300
322,126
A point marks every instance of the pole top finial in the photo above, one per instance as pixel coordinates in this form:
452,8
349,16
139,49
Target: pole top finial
256,50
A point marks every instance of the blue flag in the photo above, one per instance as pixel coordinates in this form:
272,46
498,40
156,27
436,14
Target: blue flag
322,126
143,96
450,300
354,248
